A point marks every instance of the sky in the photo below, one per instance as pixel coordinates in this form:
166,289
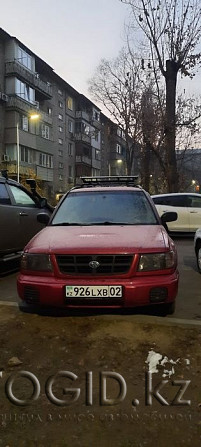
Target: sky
72,35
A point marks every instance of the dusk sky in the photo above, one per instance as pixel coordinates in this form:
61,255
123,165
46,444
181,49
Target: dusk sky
71,35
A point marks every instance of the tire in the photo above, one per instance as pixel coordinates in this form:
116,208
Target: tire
170,308
27,308
166,309
198,256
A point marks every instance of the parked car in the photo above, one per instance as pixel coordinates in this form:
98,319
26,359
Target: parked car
105,246
197,246
187,206
19,208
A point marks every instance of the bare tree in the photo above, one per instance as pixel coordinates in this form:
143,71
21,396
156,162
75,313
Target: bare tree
117,85
173,30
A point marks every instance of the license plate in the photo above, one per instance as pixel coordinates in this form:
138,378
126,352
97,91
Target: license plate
93,291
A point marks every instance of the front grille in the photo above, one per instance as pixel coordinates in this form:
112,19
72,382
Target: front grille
108,264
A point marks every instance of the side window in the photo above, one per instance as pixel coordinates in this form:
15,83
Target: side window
4,197
194,202
21,197
177,201
159,200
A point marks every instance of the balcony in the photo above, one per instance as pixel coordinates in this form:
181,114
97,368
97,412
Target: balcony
83,159
80,136
17,103
97,124
15,68
81,115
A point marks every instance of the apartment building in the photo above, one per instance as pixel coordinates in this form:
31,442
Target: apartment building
113,152
48,130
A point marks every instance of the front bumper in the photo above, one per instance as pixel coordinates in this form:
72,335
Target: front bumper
138,291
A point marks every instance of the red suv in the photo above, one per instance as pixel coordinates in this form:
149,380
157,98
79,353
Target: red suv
105,246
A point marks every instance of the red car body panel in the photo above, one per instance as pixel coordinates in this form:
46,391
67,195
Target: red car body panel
96,240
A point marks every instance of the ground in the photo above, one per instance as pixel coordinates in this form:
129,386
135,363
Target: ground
45,345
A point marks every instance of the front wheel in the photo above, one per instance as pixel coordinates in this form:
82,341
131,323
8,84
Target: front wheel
170,308
198,257
166,309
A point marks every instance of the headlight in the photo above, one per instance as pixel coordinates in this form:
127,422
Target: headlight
37,262
156,261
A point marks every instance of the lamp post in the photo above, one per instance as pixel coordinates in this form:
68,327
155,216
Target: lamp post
18,153
32,116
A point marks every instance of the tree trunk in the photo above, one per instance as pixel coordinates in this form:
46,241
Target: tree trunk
146,166
170,132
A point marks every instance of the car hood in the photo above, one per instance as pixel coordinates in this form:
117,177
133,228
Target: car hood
93,239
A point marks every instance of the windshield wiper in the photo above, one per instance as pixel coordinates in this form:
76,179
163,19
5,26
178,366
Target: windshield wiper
66,224
107,222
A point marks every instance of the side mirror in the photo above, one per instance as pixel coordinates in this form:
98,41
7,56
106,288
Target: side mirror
43,218
43,202
32,183
170,216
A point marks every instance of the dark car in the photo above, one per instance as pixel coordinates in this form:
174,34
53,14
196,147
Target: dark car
19,208
105,246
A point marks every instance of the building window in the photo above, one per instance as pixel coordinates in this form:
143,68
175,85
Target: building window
24,58
70,149
60,92
70,172
25,123
70,103
24,91
60,141
60,117
97,154
60,177
70,126
25,154
61,165
49,111
60,129
61,104
45,131
118,148
60,152
46,160
96,115
96,136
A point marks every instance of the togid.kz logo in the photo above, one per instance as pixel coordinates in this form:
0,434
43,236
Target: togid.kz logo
106,379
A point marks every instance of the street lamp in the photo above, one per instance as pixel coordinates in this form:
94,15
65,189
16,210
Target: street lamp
33,116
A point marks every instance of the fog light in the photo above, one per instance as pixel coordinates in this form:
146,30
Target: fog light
31,295
158,294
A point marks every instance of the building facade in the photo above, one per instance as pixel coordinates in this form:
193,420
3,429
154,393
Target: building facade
48,130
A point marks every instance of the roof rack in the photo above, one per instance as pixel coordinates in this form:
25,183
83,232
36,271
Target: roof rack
128,180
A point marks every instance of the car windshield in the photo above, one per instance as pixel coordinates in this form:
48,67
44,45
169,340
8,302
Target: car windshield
105,208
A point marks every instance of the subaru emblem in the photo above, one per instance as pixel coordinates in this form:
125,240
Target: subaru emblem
94,264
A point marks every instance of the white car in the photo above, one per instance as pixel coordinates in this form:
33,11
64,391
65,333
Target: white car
187,206
197,246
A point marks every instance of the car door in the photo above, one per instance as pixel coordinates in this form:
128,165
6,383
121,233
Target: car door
26,211
9,223
194,209
178,204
